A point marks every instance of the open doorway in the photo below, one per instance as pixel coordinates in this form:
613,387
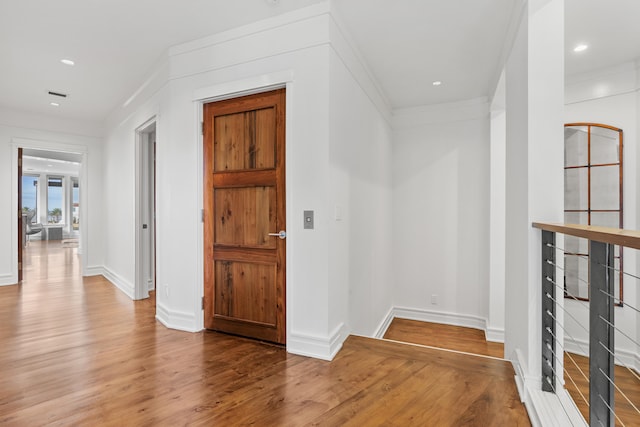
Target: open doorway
49,204
145,210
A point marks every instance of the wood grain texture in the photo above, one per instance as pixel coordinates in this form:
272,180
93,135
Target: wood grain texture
244,201
577,368
449,337
615,236
79,352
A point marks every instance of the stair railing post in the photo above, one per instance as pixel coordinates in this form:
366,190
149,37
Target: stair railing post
601,335
548,311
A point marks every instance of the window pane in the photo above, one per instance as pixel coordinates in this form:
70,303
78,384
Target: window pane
605,187
30,196
576,146
604,146
576,189
76,205
54,200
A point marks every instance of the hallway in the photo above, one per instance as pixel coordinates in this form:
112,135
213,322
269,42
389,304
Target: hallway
79,352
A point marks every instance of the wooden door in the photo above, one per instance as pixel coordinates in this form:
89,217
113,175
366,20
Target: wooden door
244,200
21,226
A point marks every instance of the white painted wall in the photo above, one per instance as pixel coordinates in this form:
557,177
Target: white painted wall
534,178
21,129
330,121
360,276
611,97
441,212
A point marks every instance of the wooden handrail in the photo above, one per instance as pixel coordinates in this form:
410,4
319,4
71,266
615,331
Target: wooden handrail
615,236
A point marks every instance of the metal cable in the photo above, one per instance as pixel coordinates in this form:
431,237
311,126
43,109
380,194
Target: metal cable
567,252
584,304
620,391
619,330
580,279
567,312
619,300
619,271
568,354
610,410
565,331
633,372
568,375
555,392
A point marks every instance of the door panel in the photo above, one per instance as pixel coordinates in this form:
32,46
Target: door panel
21,226
244,202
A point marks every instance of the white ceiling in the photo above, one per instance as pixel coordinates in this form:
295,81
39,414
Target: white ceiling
407,44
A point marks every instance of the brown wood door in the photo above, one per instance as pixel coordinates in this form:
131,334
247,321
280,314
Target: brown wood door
21,226
244,200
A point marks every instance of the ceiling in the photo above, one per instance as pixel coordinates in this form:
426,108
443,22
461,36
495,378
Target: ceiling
50,162
407,44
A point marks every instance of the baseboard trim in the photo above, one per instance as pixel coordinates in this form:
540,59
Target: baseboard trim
8,279
93,270
442,317
119,282
174,319
316,346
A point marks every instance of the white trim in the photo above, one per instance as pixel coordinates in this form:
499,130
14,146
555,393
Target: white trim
8,279
494,334
237,88
251,29
83,180
94,270
141,289
317,346
451,112
384,324
228,90
119,282
443,317
179,320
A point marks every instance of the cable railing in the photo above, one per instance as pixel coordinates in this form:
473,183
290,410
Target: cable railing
601,377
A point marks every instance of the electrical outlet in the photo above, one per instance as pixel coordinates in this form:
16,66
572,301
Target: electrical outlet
434,299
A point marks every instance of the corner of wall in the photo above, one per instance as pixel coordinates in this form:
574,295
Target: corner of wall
315,346
119,282
178,320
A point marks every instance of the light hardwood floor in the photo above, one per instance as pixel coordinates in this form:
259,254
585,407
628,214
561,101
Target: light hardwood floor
78,352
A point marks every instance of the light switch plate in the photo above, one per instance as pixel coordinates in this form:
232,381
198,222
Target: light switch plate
308,220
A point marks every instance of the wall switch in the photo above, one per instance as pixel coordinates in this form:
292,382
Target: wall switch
434,299
308,220
337,213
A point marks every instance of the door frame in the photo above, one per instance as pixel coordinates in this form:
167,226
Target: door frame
83,248
141,290
220,92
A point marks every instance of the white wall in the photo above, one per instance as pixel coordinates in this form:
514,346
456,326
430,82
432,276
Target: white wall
322,162
21,129
441,212
611,97
534,179
360,223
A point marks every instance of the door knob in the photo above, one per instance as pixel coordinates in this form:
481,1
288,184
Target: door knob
282,234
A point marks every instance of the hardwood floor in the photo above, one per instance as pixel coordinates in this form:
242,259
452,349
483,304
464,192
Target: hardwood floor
79,352
468,340
628,383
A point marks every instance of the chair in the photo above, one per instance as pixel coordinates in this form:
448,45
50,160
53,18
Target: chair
32,228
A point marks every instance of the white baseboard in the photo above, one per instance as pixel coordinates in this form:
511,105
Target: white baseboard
119,282
8,279
384,324
623,357
494,334
446,318
93,270
544,409
318,347
173,319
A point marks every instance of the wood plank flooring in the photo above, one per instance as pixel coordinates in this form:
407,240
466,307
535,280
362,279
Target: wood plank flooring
468,340
78,352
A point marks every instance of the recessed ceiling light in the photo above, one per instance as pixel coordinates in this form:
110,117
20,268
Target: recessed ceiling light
437,83
67,62
50,166
580,48
55,104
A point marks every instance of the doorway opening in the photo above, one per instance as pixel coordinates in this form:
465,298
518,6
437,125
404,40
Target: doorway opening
49,224
145,210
